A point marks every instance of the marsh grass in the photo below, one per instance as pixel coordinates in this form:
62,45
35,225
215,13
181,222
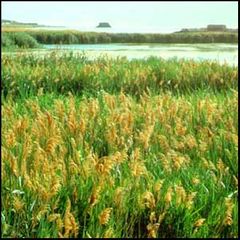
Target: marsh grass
119,151
26,75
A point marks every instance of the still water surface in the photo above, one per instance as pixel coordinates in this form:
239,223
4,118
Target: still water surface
220,52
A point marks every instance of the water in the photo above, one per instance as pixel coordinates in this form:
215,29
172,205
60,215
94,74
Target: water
220,52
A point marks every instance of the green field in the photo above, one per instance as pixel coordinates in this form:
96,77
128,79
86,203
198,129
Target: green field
118,148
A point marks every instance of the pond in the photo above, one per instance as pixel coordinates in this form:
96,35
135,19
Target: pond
220,52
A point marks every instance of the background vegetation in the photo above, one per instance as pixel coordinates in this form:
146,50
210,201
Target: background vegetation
30,37
18,40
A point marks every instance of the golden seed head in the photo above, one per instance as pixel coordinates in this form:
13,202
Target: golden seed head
220,165
10,139
199,222
189,199
118,196
18,204
70,225
161,217
109,233
53,217
158,185
104,216
148,200
152,230
94,198
168,196
152,217
138,169
195,181
180,195
229,208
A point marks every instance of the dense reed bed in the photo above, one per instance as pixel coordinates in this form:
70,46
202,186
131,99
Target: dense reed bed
20,37
118,148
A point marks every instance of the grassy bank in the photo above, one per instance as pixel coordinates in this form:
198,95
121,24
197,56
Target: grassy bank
118,148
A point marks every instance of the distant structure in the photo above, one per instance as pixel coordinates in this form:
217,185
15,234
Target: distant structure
103,25
210,28
214,27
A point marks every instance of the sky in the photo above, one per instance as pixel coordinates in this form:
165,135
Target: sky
129,16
